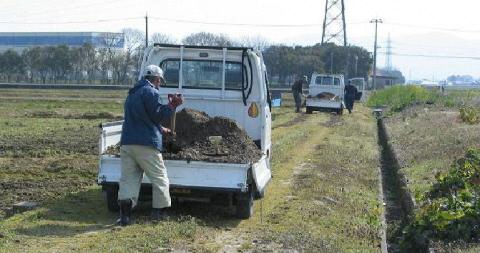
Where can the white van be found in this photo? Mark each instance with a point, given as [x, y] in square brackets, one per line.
[326, 93]
[221, 81]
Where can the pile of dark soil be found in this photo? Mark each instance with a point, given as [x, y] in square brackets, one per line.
[202, 138]
[325, 96]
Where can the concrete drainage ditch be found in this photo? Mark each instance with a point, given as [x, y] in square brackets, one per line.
[396, 197]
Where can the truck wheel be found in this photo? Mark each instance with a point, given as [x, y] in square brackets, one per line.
[112, 198]
[340, 111]
[309, 110]
[244, 208]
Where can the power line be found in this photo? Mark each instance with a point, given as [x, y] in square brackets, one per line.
[169, 20]
[433, 28]
[234, 24]
[415, 46]
[245, 24]
[437, 56]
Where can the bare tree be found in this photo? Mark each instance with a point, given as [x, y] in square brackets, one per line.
[89, 55]
[257, 42]
[133, 39]
[207, 39]
[162, 39]
[32, 60]
[134, 45]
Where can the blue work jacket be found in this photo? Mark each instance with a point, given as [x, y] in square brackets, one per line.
[143, 115]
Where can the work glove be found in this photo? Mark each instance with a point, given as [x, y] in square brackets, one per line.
[174, 100]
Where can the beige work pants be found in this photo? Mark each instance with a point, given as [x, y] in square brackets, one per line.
[136, 160]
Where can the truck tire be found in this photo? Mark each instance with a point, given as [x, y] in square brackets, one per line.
[244, 207]
[309, 110]
[111, 193]
[340, 111]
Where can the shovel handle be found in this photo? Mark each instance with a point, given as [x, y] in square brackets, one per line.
[172, 121]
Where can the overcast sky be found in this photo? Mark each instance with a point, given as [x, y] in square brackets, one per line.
[427, 27]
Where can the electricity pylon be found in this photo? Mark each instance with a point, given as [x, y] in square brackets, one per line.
[334, 27]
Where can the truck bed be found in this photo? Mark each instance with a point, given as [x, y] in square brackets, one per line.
[322, 103]
[193, 174]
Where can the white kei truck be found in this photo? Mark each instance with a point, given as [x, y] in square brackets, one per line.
[326, 93]
[360, 84]
[221, 81]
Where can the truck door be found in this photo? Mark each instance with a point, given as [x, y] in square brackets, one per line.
[261, 171]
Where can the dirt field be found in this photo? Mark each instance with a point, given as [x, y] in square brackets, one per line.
[323, 196]
[48, 148]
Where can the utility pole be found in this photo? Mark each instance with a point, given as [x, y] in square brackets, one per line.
[331, 62]
[356, 65]
[376, 21]
[146, 30]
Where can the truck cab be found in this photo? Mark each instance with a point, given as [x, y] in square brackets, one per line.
[359, 83]
[326, 93]
[221, 81]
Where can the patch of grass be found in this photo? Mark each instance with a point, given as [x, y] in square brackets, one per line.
[426, 141]
[324, 194]
[285, 114]
[80, 222]
[422, 174]
[469, 115]
[399, 97]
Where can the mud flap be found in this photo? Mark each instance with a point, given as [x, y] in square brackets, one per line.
[261, 175]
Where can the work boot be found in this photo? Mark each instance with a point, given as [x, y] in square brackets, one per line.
[158, 214]
[125, 212]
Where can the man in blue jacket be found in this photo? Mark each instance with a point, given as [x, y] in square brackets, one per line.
[141, 144]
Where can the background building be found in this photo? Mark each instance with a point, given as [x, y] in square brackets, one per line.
[386, 78]
[19, 41]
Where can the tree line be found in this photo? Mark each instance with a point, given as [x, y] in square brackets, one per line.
[286, 63]
[108, 65]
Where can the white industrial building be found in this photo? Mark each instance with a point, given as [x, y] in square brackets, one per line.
[19, 41]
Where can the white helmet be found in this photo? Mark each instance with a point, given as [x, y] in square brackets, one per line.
[153, 70]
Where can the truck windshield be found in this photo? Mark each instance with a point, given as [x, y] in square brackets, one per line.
[202, 74]
[357, 83]
[327, 80]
